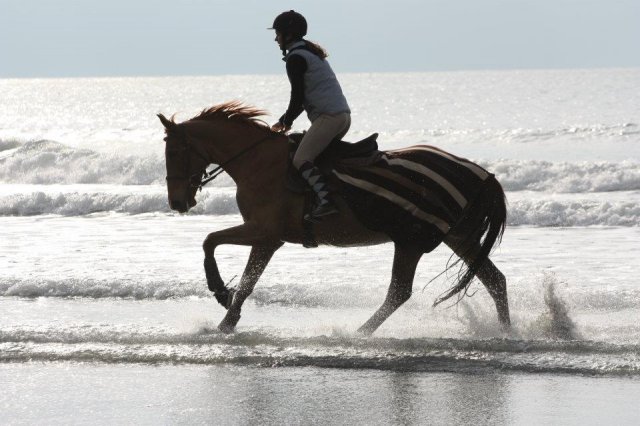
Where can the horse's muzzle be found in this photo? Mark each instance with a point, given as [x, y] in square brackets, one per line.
[179, 206]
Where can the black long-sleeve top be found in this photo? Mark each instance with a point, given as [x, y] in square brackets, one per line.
[296, 67]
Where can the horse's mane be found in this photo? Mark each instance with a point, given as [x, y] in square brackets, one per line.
[234, 110]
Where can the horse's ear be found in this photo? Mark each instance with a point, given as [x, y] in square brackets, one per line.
[168, 124]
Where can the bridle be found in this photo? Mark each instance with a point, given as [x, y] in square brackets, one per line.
[199, 179]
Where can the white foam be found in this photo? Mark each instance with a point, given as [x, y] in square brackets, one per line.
[570, 212]
[260, 348]
[537, 209]
[48, 162]
[541, 301]
[568, 177]
[80, 204]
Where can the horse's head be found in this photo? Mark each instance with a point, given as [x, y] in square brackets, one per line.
[223, 134]
[185, 166]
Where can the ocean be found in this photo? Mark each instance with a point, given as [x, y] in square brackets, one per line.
[105, 314]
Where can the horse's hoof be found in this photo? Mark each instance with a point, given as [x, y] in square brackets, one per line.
[505, 327]
[365, 332]
[228, 324]
[226, 328]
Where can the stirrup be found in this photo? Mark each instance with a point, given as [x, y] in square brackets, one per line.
[320, 211]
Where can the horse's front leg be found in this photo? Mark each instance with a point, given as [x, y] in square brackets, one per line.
[258, 260]
[264, 246]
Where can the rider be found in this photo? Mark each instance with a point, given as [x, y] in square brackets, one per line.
[314, 88]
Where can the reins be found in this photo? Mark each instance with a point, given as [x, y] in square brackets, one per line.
[208, 176]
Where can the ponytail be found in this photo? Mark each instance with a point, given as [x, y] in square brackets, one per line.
[316, 49]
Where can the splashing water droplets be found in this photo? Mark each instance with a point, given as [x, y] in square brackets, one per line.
[556, 322]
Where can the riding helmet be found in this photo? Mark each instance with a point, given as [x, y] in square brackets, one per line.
[291, 23]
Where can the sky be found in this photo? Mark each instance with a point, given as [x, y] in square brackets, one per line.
[75, 38]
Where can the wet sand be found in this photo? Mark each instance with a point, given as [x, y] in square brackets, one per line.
[88, 393]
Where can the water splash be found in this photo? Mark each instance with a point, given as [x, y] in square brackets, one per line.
[480, 320]
[556, 322]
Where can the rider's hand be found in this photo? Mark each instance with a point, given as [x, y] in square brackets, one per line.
[280, 128]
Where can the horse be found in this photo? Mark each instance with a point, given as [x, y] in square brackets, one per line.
[232, 136]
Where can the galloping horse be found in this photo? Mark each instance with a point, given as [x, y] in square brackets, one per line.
[232, 136]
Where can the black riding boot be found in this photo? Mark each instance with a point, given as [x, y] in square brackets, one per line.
[317, 182]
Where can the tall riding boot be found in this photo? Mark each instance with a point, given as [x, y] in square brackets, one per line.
[317, 182]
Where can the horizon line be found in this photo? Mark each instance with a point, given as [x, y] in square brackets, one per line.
[453, 70]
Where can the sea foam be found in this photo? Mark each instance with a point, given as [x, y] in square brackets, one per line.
[259, 348]
[539, 211]
[50, 162]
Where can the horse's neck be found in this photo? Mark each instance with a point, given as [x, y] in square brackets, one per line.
[252, 156]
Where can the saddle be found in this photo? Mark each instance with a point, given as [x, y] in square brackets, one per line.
[360, 153]
[338, 152]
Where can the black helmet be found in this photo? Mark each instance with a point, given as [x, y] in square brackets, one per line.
[291, 23]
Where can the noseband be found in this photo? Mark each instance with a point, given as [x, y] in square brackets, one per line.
[199, 179]
[195, 179]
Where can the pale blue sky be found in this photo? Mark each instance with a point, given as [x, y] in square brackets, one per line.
[68, 38]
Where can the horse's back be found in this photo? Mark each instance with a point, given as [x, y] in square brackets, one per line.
[417, 194]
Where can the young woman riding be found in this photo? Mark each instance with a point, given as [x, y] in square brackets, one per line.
[315, 89]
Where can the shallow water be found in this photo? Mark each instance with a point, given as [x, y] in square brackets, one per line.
[104, 311]
[83, 296]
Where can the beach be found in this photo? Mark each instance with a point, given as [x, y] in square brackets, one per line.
[105, 316]
[143, 394]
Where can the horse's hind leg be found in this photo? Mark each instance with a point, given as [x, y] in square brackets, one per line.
[405, 261]
[496, 285]
[492, 279]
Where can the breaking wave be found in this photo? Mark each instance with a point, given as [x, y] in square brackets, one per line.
[555, 213]
[83, 203]
[609, 190]
[565, 177]
[546, 212]
[48, 162]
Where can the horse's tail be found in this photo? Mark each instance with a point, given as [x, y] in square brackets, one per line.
[483, 223]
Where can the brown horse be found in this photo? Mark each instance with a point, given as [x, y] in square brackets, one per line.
[231, 136]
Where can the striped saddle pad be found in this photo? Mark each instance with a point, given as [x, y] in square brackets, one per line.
[415, 195]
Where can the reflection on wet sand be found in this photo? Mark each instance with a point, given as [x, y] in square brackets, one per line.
[66, 392]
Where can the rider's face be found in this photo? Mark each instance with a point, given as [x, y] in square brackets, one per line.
[280, 39]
